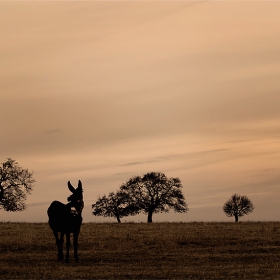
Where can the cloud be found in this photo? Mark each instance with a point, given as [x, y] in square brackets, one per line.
[132, 163]
[38, 204]
[241, 141]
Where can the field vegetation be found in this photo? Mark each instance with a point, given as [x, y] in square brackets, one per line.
[197, 250]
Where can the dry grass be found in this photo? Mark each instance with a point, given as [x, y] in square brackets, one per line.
[145, 251]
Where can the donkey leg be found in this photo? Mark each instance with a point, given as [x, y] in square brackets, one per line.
[75, 243]
[67, 247]
[61, 245]
[58, 245]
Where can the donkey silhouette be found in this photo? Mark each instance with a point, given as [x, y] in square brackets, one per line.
[67, 219]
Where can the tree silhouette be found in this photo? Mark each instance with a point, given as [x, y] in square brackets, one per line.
[114, 205]
[238, 206]
[155, 193]
[15, 184]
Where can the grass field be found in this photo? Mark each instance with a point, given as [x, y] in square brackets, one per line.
[249, 250]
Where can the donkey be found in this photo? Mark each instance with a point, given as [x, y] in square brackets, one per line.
[66, 219]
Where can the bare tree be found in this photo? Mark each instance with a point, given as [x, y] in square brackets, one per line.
[114, 205]
[238, 206]
[15, 183]
[154, 193]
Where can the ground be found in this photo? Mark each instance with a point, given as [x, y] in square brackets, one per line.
[249, 250]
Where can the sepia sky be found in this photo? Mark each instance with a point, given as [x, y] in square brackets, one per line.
[103, 90]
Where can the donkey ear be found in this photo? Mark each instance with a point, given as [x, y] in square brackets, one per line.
[80, 185]
[70, 187]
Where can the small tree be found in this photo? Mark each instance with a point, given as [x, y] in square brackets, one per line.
[238, 206]
[15, 184]
[114, 205]
[155, 193]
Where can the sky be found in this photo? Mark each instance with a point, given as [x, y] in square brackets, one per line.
[100, 91]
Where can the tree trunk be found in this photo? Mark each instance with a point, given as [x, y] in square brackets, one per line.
[118, 219]
[150, 214]
[236, 218]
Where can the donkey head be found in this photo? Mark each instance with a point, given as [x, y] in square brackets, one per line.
[76, 199]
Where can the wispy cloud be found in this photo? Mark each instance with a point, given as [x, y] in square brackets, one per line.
[38, 204]
[241, 141]
[132, 163]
